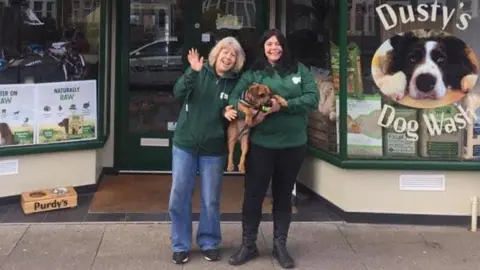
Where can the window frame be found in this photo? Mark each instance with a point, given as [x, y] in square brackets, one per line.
[103, 100]
[341, 158]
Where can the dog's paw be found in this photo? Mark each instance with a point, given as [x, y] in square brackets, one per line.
[282, 102]
[468, 82]
[393, 86]
[333, 116]
[241, 168]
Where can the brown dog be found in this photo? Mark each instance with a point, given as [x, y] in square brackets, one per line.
[6, 135]
[257, 97]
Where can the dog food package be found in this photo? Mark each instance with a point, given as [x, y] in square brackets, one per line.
[396, 144]
[472, 132]
[321, 129]
[441, 144]
[354, 70]
[75, 126]
[364, 135]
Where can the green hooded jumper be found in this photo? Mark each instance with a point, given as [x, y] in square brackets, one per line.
[287, 127]
[201, 127]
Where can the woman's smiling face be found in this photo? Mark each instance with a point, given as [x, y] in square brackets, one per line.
[273, 49]
[226, 60]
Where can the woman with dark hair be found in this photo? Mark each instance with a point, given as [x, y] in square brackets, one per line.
[277, 143]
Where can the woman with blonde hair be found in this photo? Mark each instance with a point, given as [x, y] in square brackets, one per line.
[199, 145]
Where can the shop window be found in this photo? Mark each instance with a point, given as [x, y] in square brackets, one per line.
[412, 86]
[312, 29]
[50, 9]
[237, 18]
[49, 71]
[38, 8]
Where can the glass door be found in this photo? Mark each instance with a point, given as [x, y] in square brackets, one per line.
[155, 36]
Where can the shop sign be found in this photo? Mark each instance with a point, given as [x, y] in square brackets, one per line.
[424, 13]
[426, 69]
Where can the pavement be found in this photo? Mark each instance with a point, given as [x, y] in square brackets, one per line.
[319, 246]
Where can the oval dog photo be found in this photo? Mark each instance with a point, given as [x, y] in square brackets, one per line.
[425, 69]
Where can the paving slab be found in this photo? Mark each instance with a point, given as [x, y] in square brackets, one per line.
[135, 246]
[361, 234]
[232, 239]
[52, 247]
[396, 247]
[316, 246]
[9, 235]
[458, 247]
[401, 256]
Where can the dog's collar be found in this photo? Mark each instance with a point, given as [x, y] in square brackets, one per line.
[243, 101]
[250, 105]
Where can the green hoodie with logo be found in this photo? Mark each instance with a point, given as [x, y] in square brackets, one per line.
[287, 127]
[201, 127]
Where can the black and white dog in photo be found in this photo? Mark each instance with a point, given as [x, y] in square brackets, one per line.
[426, 67]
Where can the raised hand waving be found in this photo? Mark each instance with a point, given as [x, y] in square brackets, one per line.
[196, 62]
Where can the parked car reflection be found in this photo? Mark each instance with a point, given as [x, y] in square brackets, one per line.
[156, 64]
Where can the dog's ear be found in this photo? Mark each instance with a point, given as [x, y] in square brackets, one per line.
[453, 42]
[456, 48]
[267, 89]
[398, 41]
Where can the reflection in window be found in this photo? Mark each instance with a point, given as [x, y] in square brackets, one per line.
[244, 10]
[311, 33]
[49, 59]
[155, 43]
[48, 41]
[237, 18]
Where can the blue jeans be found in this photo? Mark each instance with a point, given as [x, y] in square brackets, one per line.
[184, 168]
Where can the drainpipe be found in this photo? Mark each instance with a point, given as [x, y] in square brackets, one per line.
[474, 213]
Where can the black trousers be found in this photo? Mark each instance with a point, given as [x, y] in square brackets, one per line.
[282, 167]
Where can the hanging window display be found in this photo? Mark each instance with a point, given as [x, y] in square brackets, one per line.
[45, 48]
[421, 59]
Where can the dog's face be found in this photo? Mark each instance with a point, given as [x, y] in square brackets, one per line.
[6, 135]
[75, 128]
[431, 65]
[259, 94]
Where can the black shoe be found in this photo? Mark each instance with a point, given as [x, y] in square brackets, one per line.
[281, 225]
[244, 255]
[211, 255]
[280, 253]
[180, 257]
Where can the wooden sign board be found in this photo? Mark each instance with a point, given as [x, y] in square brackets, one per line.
[48, 200]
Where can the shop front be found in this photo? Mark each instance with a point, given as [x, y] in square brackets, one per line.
[55, 89]
[86, 88]
[396, 132]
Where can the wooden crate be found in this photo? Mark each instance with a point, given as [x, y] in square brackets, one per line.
[48, 200]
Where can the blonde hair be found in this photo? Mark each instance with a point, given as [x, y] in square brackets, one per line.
[230, 43]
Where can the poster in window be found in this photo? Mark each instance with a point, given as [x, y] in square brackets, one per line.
[66, 111]
[17, 123]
